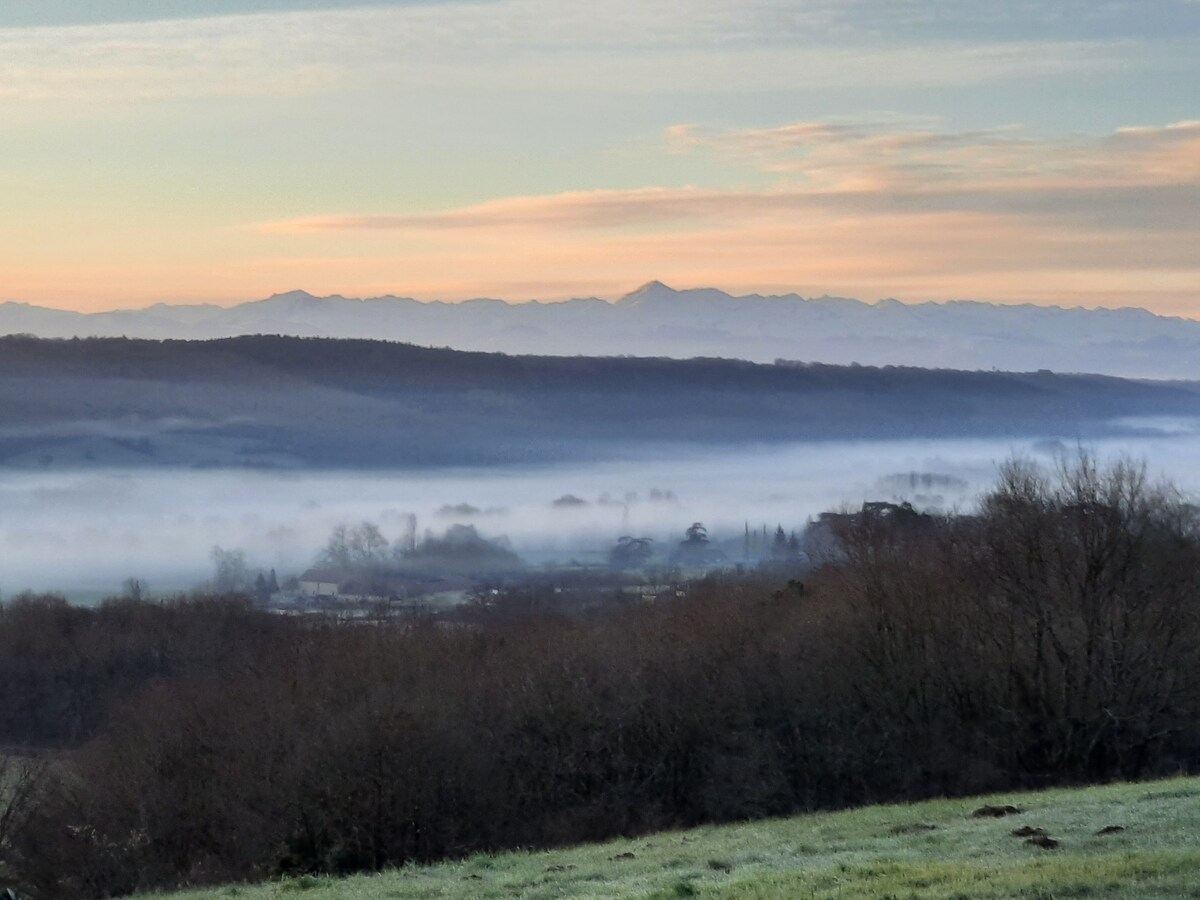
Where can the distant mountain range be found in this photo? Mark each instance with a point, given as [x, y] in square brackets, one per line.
[656, 320]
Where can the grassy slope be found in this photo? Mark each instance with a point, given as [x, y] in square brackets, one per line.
[852, 854]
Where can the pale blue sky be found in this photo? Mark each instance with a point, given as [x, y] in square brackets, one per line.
[980, 19]
[222, 150]
[90, 12]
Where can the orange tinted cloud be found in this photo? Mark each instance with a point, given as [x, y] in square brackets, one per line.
[846, 156]
[853, 170]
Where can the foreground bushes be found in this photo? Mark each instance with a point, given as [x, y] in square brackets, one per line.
[1053, 638]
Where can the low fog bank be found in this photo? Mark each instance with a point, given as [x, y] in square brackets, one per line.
[85, 533]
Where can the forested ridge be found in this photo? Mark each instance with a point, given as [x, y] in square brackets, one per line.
[280, 401]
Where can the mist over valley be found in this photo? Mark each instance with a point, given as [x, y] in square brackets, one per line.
[133, 459]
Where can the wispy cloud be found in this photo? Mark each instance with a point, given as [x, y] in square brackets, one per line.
[840, 156]
[602, 209]
[633, 46]
[848, 168]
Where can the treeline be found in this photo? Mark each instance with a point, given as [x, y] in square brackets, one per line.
[1053, 638]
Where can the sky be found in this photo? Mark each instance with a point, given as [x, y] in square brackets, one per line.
[1041, 151]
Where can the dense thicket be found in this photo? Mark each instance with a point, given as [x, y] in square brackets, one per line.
[1053, 638]
[64, 668]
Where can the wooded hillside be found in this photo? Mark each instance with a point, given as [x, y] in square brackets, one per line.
[275, 401]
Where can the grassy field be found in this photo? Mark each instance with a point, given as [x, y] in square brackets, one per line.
[928, 850]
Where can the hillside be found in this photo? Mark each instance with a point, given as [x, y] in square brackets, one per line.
[929, 850]
[656, 320]
[290, 402]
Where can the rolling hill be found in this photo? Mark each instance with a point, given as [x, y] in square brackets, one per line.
[292, 402]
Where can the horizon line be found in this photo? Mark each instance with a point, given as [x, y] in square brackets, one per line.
[610, 301]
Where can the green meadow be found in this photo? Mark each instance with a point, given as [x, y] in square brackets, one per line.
[936, 850]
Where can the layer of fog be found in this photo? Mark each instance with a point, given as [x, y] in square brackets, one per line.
[84, 533]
